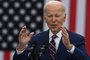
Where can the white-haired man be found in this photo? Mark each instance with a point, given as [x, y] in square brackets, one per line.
[65, 46]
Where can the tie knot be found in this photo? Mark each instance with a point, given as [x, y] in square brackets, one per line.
[54, 36]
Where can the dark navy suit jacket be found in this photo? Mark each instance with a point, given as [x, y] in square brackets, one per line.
[62, 53]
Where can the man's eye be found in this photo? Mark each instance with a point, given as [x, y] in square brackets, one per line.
[57, 15]
[49, 16]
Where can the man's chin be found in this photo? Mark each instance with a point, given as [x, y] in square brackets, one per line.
[54, 30]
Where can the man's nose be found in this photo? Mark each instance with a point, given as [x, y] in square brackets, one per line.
[53, 19]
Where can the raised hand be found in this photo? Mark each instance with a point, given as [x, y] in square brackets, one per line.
[65, 38]
[24, 38]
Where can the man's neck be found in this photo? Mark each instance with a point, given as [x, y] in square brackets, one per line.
[55, 32]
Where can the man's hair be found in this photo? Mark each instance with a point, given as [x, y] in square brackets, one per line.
[51, 3]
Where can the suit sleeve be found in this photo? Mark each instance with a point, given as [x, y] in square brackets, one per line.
[22, 56]
[80, 51]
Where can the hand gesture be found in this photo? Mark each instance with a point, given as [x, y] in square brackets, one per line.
[24, 38]
[65, 38]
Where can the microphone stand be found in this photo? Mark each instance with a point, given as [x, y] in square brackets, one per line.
[32, 55]
[31, 50]
[41, 52]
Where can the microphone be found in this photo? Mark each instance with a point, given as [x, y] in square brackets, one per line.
[31, 49]
[42, 50]
[36, 56]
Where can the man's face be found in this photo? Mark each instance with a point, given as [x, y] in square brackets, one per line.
[54, 17]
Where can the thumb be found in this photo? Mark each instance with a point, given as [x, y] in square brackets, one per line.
[31, 34]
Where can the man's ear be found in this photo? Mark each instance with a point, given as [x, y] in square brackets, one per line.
[64, 18]
[44, 18]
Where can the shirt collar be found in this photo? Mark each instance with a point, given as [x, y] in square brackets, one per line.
[59, 34]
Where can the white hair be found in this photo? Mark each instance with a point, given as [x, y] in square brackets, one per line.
[53, 2]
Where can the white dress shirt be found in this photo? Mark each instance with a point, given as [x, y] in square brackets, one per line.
[57, 39]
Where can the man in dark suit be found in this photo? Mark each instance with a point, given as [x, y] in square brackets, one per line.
[65, 46]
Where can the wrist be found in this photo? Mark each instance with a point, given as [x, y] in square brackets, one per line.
[69, 47]
[72, 50]
[20, 47]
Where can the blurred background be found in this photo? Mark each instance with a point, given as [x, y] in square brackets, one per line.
[16, 13]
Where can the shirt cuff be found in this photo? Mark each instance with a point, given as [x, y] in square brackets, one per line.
[72, 50]
[19, 52]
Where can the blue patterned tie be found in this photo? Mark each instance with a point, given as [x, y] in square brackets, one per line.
[52, 48]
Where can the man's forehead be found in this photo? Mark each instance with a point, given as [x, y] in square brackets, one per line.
[54, 9]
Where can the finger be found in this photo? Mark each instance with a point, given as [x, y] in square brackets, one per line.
[64, 29]
[64, 35]
[64, 32]
[24, 27]
[31, 34]
[23, 30]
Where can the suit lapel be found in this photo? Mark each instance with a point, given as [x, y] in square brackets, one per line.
[45, 40]
[45, 37]
[60, 50]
